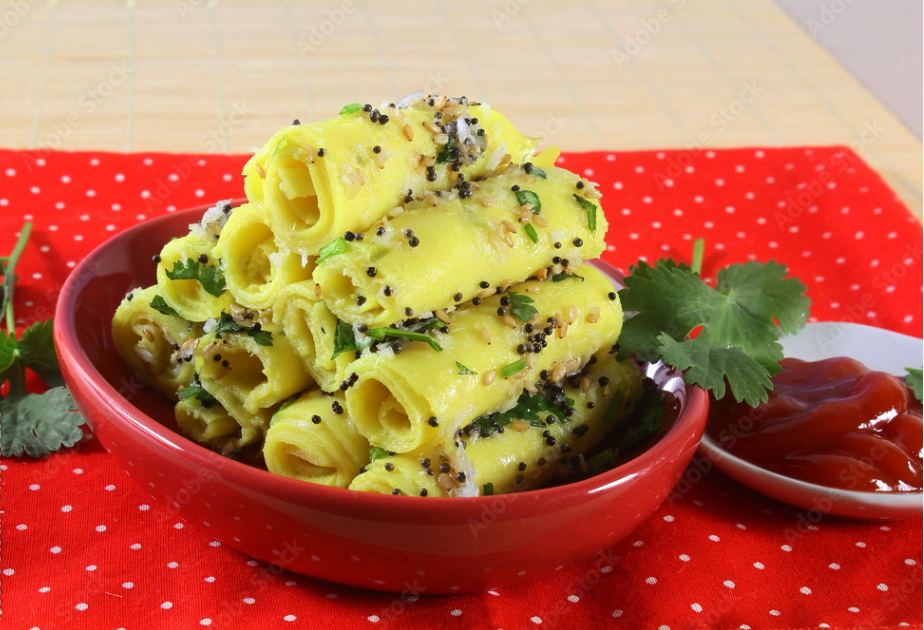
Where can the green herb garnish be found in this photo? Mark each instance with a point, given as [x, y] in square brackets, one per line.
[344, 339]
[530, 408]
[538, 172]
[529, 197]
[352, 108]
[209, 276]
[226, 324]
[487, 490]
[195, 390]
[737, 341]
[376, 452]
[464, 370]
[512, 368]
[379, 334]
[559, 277]
[531, 232]
[31, 424]
[335, 247]
[646, 419]
[601, 461]
[914, 381]
[521, 306]
[591, 211]
[445, 154]
[159, 305]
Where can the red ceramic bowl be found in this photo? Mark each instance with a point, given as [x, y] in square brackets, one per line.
[379, 542]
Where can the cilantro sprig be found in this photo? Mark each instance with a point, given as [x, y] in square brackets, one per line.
[738, 323]
[197, 391]
[345, 339]
[226, 324]
[529, 197]
[335, 247]
[350, 109]
[530, 408]
[31, 424]
[590, 210]
[160, 305]
[521, 306]
[210, 277]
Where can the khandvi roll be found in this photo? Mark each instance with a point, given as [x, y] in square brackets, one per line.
[253, 267]
[189, 277]
[489, 354]
[321, 180]
[254, 364]
[545, 434]
[210, 424]
[312, 439]
[148, 335]
[442, 251]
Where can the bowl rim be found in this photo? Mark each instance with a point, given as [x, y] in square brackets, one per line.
[137, 422]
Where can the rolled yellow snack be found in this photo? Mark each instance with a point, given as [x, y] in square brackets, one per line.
[189, 297]
[149, 340]
[429, 258]
[323, 179]
[395, 397]
[309, 440]
[254, 269]
[522, 456]
[213, 426]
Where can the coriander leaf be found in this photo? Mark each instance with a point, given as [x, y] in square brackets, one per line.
[531, 408]
[197, 391]
[288, 401]
[763, 290]
[529, 197]
[613, 406]
[37, 352]
[159, 305]
[376, 452]
[521, 306]
[226, 324]
[558, 277]
[487, 490]
[915, 381]
[445, 154]
[352, 108]
[335, 247]
[37, 424]
[8, 353]
[464, 370]
[344, 339]
[591, 211]
[646, 419]
[379, 334]
[531, 232]
[538, 172]
[424, 325]
[666, 303]
[513, 368]
[209, 276]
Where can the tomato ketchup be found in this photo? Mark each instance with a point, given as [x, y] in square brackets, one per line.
[831, 422]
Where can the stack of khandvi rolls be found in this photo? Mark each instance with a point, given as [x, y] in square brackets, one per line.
[402, 306]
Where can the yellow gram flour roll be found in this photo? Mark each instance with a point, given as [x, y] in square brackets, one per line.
[521, 456]
[403, 401]
[189, 278]
[252, 376]
[313, 439]
[213, 426]
[323, 179]
[149, 340]
[435, 257]
[254, 269]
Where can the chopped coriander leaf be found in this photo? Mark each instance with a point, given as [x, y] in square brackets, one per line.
[288, 401]
[529, 197]
[538, 172]
[558, 277]
[531, 408]
[376, 452]
[226, 324]
[464, 370]
[914, 381]
[352, 108]
[591, 211]
[195, 390]
[379, 334]
[445, 154]
[159, 305]
[424, 325]
[37, 424]
[336, 246]
[487, 490]
[646, 419]
[531, 232]
[513, 368]
[344, 339]
[209, 276]
[521, 306]
[737, 343]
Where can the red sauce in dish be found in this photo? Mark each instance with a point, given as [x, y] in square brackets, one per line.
[833, 423]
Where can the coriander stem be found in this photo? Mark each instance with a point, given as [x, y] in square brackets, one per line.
[10, 276]
[699, 245]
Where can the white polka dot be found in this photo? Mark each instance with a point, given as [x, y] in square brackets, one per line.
[248, 600]
[128, 585]
[167, 605]
[910, 562]
[44, 589]
[834, 566]
[455, 612]
[638, 543]
[91, 193]
[215, 543]
[8, 572]
[714, 538]
[373, 618]
[573, 599]
[606, 569]
[22, 527]
[805, 590]
[854, 609]
[290, 618]
[135, 546]
[200, 193]
[758, 565]
[536, 620]
[210, 579]
[227, 177]
[34, 486]
[55, 549]
[651, 580]
[861, 544]
[882, 587]
[785, 547]
[172, 565]
[775, 613]
[100, 528]
[179, 526]
[696, 607]
[67, 508]
[81, 606]
[729, 584]
[684, 557]
[35, 190]
[205, 622]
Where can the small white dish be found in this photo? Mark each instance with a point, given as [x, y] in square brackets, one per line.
[876, 348]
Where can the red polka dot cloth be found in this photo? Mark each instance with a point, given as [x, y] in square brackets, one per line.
[84, 547]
